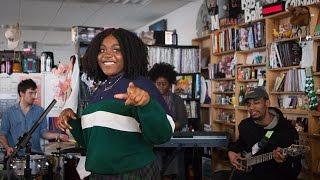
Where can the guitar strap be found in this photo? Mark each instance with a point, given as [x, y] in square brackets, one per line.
[262, 143]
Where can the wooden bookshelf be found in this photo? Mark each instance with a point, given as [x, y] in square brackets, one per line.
[315, 113]
[316, 73]
[199, 39]
[295, 111]
[284, 68]
[249, 80]
[241, 25]
[241, 112]
[224, 79]
[224, 53]
[278, 16]
[204, 44]
[219, 106]
[251, 65]
[224, 92]
[287, 93]
[253, 50]
[242, 108]
[205, 105]
[297, 38]
[303, 134]
[316, 38]
[227, 123]
[316, 136]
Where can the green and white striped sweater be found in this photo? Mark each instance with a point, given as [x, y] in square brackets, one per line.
[120, 138]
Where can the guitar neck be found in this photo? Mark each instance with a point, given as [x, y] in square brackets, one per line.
[262, 158]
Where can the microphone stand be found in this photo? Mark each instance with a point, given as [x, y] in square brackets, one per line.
[23, 142]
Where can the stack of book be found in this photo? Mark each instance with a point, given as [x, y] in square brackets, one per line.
[284, 54]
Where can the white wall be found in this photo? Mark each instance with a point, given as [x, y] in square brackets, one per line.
[183, 20]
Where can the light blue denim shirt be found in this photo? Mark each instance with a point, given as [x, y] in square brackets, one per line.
[14, 124]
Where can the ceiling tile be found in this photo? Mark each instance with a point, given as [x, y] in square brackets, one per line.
[57, 37]
[36, 13]
[74, 14]
[9, 12]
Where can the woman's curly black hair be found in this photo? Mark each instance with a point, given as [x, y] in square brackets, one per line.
[164, 70]
[133, 50]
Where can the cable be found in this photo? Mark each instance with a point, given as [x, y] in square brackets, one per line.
[58, 11]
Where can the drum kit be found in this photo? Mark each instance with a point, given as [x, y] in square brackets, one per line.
[41, 166]
[59, 162]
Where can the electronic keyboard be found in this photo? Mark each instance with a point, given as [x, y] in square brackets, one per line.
[197, 139]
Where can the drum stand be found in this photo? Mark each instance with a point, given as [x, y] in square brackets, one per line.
[58, 154]
[59, 168]
[7, 172]
[27, 170]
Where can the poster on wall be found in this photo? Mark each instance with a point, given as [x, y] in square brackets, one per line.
[62, 84]
[183, 86]
[53, 92]
[8, 93]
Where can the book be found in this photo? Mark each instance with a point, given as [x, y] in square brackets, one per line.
[183, 86]
[318, 59]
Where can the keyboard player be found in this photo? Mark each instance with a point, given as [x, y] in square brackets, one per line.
[164, 76]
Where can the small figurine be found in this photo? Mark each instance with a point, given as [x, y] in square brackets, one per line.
[275, 33]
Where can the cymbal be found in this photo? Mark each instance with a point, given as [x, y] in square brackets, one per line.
[53, 146]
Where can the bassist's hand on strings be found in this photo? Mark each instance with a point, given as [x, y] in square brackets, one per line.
[235, 159]
[278, 156]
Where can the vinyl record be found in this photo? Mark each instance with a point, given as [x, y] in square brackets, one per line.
[202, 18]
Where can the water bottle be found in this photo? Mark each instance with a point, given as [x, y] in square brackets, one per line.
[48, 64]
[174, 38]
[43, 59]
[9, 64]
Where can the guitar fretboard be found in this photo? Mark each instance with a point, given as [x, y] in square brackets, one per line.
[262, 158]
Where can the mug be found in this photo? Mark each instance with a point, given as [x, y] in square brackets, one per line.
[226, 100]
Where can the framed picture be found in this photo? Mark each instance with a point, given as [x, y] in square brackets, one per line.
[188, 86]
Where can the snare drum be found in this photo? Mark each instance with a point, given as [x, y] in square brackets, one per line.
[39, 165]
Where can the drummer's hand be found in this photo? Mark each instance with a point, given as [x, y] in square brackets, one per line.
[9, 150]
[134, 96]
[63, 137]
[64, 117]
